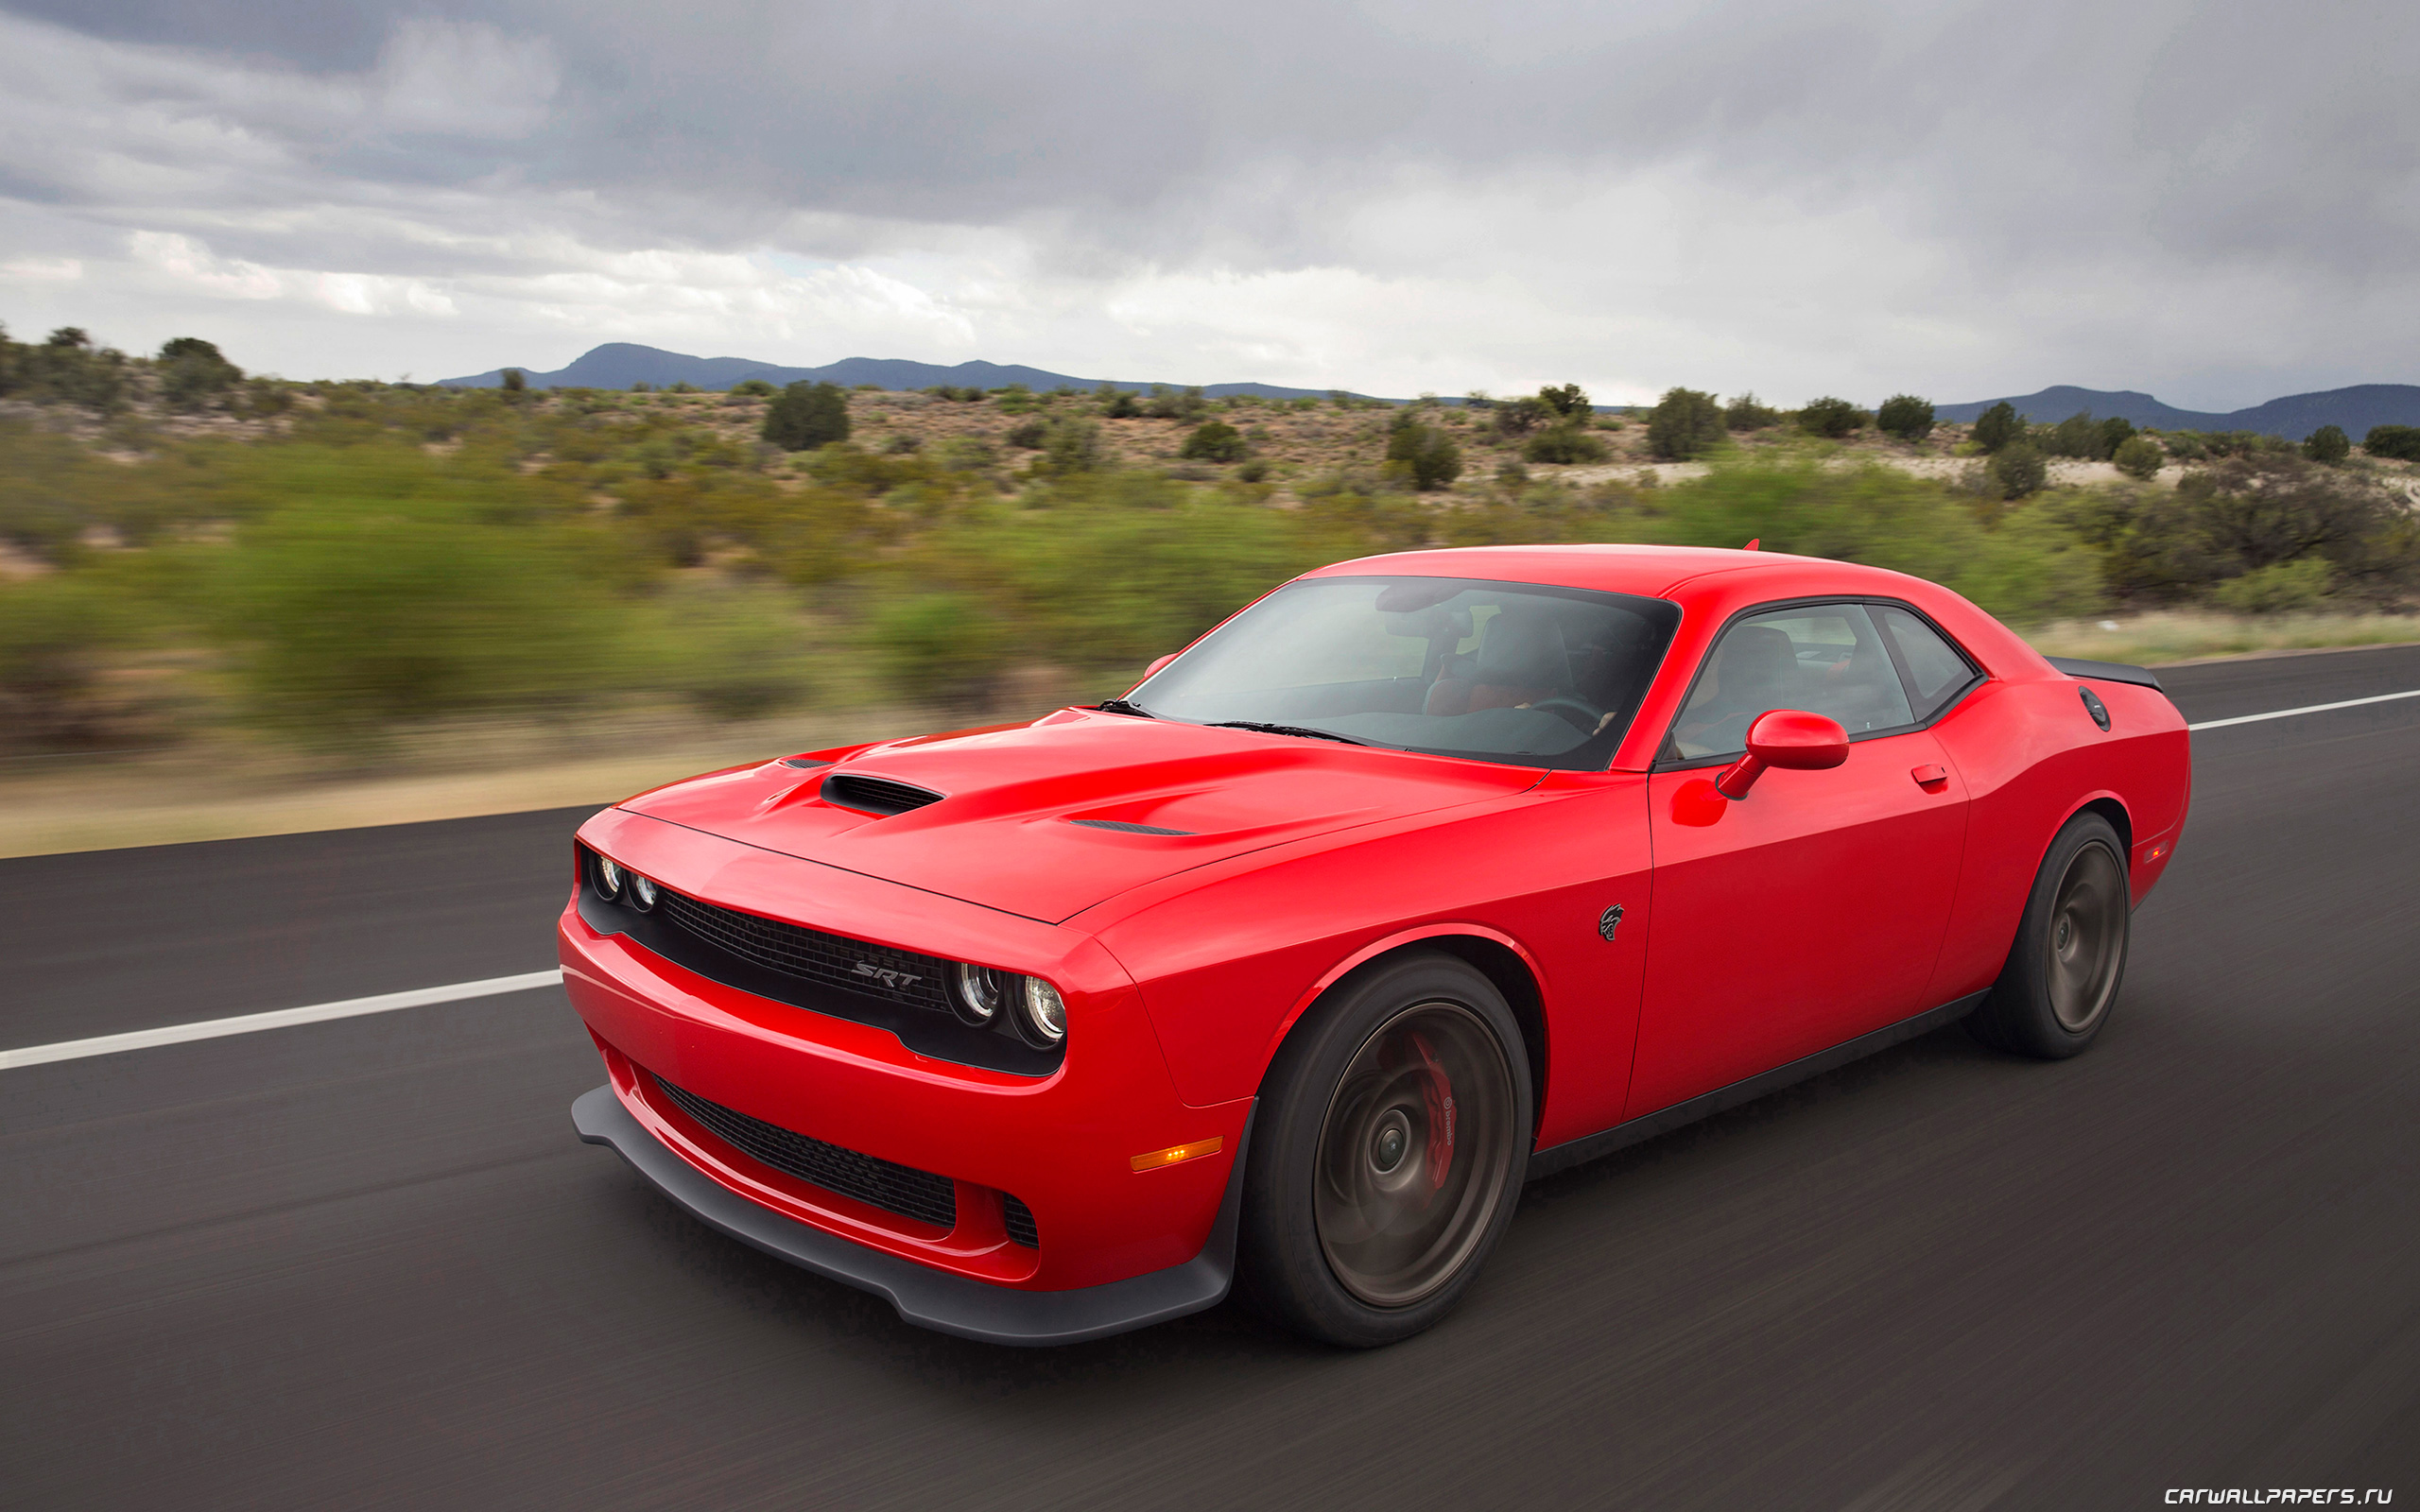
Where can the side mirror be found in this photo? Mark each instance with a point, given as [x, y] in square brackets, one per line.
[1790, 738]
[1153, 670]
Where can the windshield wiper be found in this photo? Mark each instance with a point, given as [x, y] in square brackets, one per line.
[1124, 706]
[1288, 730]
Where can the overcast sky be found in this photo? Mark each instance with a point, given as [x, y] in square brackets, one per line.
[2214, 202]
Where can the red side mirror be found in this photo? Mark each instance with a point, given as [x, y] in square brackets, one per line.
[1790, 738]
[1153, 670]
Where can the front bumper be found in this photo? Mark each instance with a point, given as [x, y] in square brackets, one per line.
[1118, 1248]
[924, 1297]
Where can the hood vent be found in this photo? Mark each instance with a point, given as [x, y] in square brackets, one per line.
[878, 796]
[1124, 828]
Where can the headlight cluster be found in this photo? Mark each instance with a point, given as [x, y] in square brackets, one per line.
[979, 994]
[617, 884]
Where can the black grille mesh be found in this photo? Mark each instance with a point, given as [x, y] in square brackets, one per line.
[885, 1184]
[796, 951]
[1020, 1222]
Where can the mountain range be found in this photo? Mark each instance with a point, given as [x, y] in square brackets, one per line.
[620, 363]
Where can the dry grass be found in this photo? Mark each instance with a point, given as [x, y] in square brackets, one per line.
[2187, 635]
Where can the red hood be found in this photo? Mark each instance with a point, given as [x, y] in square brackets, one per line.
[1001, 836]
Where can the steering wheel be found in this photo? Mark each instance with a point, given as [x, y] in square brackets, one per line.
[1586, 716]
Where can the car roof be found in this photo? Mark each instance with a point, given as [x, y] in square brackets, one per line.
[1653, 571]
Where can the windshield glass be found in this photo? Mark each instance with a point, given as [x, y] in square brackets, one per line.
[1518, 672]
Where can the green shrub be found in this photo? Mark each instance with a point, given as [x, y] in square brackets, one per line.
[1567, 401]
[2280, 588]
[2115, 432]
[1905, 417]
[1028, 433]
[54, 634]
[1426, 455]
[1254, 470]
[2244, 514]
[808, 415]
[2140, 456]
[754, 388]
[937, 645]
[2078, 436]
[2398, 442]
[956, 393]
[1186, 404]
[1515, 418]
[514, 381]
[1683, 423]
[902, 443]
[1117, 403]
[1564, 443]
[1072, 445]
[1997, 426]
[192, 373]
[2018, 470]
[2329, 444]
[1748, 413]
[1214, 441]
[1832, 418]
[736, 652]
[1017, 399]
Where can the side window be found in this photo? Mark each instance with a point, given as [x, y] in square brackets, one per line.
[1828, 659]
[1934, 666]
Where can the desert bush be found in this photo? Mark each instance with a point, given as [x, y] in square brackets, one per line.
[192, 373]
[1997, 426]
[2115, 432]
[1072, 445]
[1748, 413]
[55, 634]
[1017, 399]
[1116, 403]
[1426, 455]
[2280, 588]
[808, 415]
[2245, 514]
[1567, 401]
[1031, 435]
[956, 393]
[938, 646]
[972, 454]
[514, 381]
[2078, 436]
[902, 443]
[1905, 417]
[1564, 443]
[1214, 441]
[2018, 470]
[2400, 444]
[2140, 456]
[1186, 404]
[1515, 418]
[1832, 418]
[734, 650]
[2329, 444]
[754, 388]
[1683, 423]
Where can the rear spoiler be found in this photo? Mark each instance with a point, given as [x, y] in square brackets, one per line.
[2105, 671]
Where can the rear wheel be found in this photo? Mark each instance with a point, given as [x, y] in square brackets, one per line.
[1389, 1158]
[2063, 974]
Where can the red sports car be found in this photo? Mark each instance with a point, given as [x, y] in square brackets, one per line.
[1421, 877]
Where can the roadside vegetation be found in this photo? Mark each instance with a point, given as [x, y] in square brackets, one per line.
[193, 558]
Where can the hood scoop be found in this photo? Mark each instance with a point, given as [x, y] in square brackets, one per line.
[1124, 828]
[877, 796]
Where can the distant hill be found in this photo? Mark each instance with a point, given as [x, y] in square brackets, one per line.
[620, 363]
[2293, 417]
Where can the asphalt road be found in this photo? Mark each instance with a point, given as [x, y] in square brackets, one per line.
[365, 1262]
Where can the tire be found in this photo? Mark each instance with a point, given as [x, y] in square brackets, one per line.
[1389, 1154]
[2061, 981]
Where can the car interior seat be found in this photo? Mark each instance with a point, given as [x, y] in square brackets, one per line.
[1521, 659]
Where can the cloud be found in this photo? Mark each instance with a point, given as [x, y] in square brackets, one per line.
[2212, 200]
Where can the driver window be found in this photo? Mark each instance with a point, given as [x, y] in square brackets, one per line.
[1826, 659]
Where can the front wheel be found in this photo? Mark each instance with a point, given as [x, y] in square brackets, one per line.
[1395, 1136]
[2063, 974]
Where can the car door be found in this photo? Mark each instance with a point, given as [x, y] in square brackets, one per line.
[1811, 911]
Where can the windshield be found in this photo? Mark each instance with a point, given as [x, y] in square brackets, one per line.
[1518, 672]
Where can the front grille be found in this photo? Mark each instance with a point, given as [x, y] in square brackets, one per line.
[836, 960]
[1020, 1222]
[878, 1183]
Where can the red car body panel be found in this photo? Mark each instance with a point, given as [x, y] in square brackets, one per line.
[1828, 905]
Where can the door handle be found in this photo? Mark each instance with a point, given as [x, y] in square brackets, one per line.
[1932, 779]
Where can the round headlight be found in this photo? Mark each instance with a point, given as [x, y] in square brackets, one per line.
[642, 893]
[979, 994]
[608, 879]
[1044, 1019]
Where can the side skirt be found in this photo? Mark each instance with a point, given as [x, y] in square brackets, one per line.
[1621, 1136]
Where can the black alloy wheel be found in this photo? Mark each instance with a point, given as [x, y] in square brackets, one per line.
[1395, 1134]
[2063, 970]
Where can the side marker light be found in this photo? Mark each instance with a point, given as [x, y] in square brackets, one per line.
[1176, 1153]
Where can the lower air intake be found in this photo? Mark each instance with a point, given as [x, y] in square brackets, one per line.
[877, 1183]
[1020, 1222]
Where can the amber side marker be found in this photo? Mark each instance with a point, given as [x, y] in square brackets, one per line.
[1175, 1153]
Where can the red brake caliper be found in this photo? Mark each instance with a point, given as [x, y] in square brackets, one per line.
[1437, 1090]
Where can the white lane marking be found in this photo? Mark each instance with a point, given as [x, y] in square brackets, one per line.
[2307, 709]
[176, 1034]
